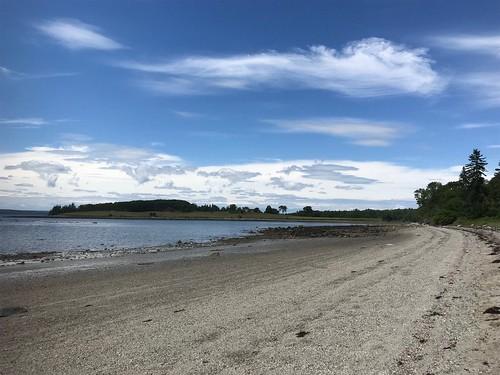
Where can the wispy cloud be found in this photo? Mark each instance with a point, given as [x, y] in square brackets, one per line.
[365, 68]
[329, 172]
[187, 114]
[84, 191]
[478, 125]
[484, 87]
[31, 122]
[24, 121]
[494, 146]
[282, 183]
[358, 131]
[485, 44]
[234, 176]
[348, 187]
[76, 35]
[15, 75]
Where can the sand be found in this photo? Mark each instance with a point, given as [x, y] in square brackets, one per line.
[406, 302]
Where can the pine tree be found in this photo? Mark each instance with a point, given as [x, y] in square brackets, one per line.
[473, 184]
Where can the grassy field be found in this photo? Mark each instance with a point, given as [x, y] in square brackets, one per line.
[203, 216]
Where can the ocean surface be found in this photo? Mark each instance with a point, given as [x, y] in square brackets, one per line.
[38, 234]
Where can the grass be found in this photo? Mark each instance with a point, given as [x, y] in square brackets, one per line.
[203, 216]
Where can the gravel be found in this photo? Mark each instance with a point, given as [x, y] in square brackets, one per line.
[404, 302]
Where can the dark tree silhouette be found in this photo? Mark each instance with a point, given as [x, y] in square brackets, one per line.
[473, 184]
[270, 210]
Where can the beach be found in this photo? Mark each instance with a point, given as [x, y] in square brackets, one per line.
[404, 301]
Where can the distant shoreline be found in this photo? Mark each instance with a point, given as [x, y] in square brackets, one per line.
[201, 216]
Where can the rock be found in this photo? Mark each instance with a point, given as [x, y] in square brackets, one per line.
[8, 311]
[302, 333]
[492, 310]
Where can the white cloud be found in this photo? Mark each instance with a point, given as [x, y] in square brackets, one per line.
[30, 122]
[486, 44]
[358, 131]
[365, 68]
[139, 163]
[12, 74]
[186, 114]
[234, 176]
[76, 35]
[349, 187]
[329, 172]
[494, 146]
[282, 183]
[23, 121]
[478, 125]
[101, 176]
[48, 172]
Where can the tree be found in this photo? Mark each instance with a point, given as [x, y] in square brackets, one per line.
[307, 210]
[493, 190]
[474, 171]
[283, 209]
[428, 196]
[270, 210]
[473, 184]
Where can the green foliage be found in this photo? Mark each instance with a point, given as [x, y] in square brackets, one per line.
[270, 210]
[58, 209]
[152, 206]
[444, 217]
[471, 197]
[400, 214]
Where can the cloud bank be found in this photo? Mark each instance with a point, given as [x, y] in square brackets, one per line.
[89, 172]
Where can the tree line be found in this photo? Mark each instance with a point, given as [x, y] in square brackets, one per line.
[398, 214]
[165, 205]
[471, 197]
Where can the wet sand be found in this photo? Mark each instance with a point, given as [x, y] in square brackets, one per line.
[410, 301]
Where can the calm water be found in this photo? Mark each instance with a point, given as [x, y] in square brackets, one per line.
[44, 234]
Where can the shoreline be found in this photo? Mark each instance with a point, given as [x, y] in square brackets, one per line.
[348, 230]
[281, 219]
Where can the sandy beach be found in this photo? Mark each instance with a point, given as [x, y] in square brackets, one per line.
[410, 301]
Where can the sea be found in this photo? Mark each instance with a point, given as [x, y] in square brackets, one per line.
[39, 233]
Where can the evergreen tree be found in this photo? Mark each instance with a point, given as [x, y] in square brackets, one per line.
[494, 194]
[473, 184]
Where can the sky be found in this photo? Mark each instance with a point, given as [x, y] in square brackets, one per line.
[333, 104]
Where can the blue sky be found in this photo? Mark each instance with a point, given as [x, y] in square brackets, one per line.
[337, 104]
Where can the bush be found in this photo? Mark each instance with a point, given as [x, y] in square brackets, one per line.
[444, 218]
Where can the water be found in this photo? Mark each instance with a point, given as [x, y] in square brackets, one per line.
[48, 234]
